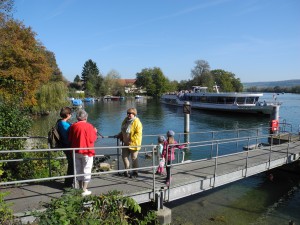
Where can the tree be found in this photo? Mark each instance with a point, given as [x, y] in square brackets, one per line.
[226, 81]
[161, 83]
[207, 80]
[112, 85]
[77, 79]
[200, 68]
[56, 74]
[77, 84]
[24, 66]
[90, 77]
[6, 8]
[52, 96]
[237, 85]
[154, 81]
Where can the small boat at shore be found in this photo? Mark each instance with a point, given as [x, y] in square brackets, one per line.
[138, 97]
[233, 102]
[77, 103]
[89, 100]
[113, 98]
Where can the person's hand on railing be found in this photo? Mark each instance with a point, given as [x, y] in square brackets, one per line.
[100, 135]
[119, 136]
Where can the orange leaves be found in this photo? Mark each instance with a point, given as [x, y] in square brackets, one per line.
[24, 66]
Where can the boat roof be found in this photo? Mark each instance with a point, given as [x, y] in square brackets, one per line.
[202, 90]
[226, 94]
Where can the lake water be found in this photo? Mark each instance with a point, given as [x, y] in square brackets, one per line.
[254, 200]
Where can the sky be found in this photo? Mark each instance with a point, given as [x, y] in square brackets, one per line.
[257, 40]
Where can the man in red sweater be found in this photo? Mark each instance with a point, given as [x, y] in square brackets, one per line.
[83, 135]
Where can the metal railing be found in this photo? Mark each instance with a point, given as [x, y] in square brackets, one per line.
[202, 147]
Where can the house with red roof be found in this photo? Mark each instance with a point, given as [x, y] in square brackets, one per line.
[130, 86]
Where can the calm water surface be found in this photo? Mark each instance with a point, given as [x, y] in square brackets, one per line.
[255, 200]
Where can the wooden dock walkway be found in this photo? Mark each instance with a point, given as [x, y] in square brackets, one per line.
[188, 178]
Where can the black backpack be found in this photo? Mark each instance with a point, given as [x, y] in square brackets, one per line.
[54, 139]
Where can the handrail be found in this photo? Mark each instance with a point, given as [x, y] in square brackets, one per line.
[214, 144]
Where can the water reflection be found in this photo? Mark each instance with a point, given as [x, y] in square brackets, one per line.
[271, 203]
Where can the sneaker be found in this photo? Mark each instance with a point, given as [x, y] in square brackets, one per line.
[168, 181]
[125, 174]
[134, 175]
[86, 192]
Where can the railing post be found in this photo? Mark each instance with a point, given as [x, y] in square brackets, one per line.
[247, 157]
[270, 151]
[212, 144]
[216, 163]
[288, 148]
[256, 137]
[74, 169]
[237, 143]
[49, 163]
[153, 166]
[118, 153]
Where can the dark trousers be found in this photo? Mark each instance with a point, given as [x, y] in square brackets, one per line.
[70, 168]
[168, 169]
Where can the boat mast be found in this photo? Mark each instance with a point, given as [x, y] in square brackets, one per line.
[216, 87]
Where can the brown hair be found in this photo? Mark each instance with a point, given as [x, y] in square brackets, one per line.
[171, 140]
[64, 112]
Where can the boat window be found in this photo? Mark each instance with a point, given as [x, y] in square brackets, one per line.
[203, 99]
[230, 100]
[209, 99]
[220, 100]
[195, 98]
[240, 100]
[250, 100]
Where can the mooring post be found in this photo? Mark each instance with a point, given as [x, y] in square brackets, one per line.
[274, 122]
[275, 113]
[187, 112]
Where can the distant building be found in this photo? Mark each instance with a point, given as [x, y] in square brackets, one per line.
[130, 86]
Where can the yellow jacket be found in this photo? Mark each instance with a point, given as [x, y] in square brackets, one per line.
[136, 132]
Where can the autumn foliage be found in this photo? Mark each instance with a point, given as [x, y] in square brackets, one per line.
[24, 66]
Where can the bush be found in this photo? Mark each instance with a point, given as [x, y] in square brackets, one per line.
[6, 214]
[111, 208]
[14, 123]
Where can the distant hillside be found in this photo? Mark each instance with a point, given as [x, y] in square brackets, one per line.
[284, 83]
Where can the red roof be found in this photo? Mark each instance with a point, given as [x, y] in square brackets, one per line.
[127, 82]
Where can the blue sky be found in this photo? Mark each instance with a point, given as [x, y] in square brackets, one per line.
[257, 40]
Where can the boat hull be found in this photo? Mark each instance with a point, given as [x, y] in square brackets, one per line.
[114, 98]
[257, 108]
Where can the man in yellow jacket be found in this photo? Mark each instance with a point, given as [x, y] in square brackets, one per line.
[131, 136]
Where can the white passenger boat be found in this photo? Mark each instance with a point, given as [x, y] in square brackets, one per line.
[236, 102]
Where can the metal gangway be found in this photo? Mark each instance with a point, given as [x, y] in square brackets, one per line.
[210, 159]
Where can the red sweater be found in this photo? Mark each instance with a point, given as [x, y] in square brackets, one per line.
[83, 135]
